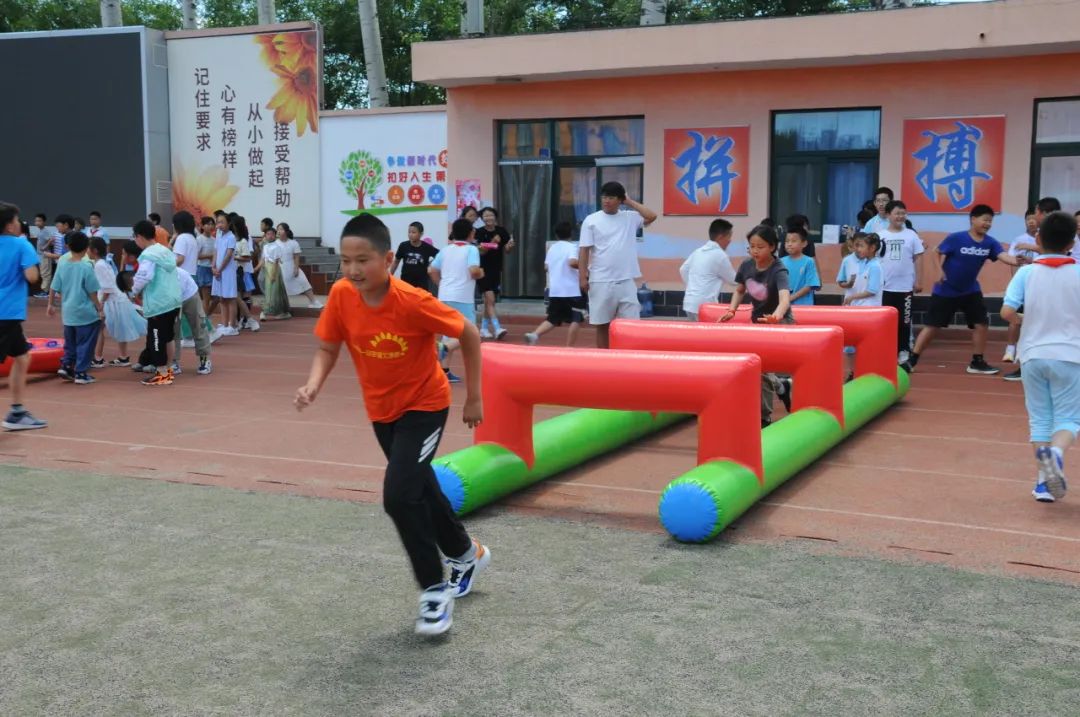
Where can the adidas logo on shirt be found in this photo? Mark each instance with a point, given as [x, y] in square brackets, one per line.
[974, 251]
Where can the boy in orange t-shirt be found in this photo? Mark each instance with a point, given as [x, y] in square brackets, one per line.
[389, 328]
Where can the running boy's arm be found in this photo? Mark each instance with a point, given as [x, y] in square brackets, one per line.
[473, 411]
[325, 358]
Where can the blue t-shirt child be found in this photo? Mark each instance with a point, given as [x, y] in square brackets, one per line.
[16, 256]
[74, 280]
[964, 259]
[802, 272]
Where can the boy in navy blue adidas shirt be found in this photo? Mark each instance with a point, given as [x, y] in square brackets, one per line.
[962, 257]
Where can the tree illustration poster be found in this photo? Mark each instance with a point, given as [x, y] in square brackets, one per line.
[244, 125]
[390, 164]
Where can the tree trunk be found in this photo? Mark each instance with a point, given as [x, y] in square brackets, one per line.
[189, 7]
[653, 12]
[360, 197]
[373, 54]
[267, 12]
[110, 13]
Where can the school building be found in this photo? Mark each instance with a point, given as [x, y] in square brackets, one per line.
[950, 105]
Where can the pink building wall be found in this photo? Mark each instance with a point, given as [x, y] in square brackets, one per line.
[1005, 86]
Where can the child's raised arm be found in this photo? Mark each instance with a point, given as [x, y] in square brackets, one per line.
[473, 411]
[325, 358]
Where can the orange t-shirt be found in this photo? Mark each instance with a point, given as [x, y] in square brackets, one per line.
[161, 236]
[392, 346]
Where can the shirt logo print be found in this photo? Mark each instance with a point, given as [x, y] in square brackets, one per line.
[385, 345]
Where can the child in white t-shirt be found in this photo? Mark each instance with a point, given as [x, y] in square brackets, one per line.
[901, 271]
[565, 303]
[456, 269]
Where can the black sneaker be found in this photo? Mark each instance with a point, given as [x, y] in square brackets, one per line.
[67, 373]
[23, 421]
[84, 379]
[1014, 376]
[784, 393]
[97, 363]
[979, 365]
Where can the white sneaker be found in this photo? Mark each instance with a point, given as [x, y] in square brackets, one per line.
[1010, 355]
[187, 343]
[485, 334]
[216, 336]
[253, 325]
[436, 611]
[532, 339]
[230, 331]
[903, 357]
[205, 367]
[500, 334]
[463, 573]
[315, 305]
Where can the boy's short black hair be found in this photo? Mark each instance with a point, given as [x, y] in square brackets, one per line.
[95, 213]
[719, 228]
[267, 220]
[76, 242]
[461, 229]
[206, 220]
[7, 213]
[41, 216]
[99, 246]
[564, 230]
[369, 227]
[1030, 211]
[219, 213]
[493, 210]
[797, 220]
[1048, 204]
[893, 204]
[154, 217]
[418, 226]
[184, 222]
[64, 219]
[125, 280]
[613, 189]
[886, 191]
[980, 210]
[1057, 232]
[798, 229]
[80, 221]
[768, 234]
[864, 216]
[767, 222]
[132, 248]
[144, 228]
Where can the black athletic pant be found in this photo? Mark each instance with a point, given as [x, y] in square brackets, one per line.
[159, 334]
[412, 497]
[901, 301]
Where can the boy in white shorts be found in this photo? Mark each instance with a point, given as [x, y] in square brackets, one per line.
[607, 259]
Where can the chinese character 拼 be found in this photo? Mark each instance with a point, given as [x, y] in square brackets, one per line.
[707, 162]
[950, 160]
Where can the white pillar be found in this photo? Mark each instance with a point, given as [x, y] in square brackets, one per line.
[189, 8]
[373, 56]
[110, 13]
[267, 12]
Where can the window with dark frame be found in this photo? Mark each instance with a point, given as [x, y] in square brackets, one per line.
[823, 163]
[1055, 152]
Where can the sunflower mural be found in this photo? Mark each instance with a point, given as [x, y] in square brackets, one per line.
[293, 58]
[360, 174]
[201, 192]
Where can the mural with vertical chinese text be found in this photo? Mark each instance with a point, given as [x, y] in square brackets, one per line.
[244, 123]
[706, 171]
[950, 164]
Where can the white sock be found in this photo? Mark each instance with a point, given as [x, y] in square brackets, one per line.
[1011, 347]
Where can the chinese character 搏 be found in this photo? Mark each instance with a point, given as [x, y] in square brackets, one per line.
[950, 160]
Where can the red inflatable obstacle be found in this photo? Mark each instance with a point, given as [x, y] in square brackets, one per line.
[864, 328]
[811, 354]
[45, 355]
[722, 390]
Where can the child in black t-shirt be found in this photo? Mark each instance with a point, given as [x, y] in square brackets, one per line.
[495, 243]
[415, 256]
[765, 279]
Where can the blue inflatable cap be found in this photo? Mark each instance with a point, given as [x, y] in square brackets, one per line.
[451, 484]
[688, 511]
